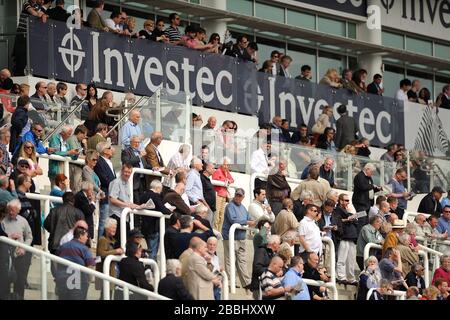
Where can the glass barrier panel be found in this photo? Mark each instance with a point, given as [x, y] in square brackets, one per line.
[176, 116]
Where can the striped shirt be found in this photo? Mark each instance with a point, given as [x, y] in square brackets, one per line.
[173, 34]
[269, 281]
[24, 15]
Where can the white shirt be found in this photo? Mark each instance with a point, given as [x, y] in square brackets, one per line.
[112, 25]
[66, 238]
[401, 95]
[257, 212]
[309, 229]
[259, 162]
[109, 162]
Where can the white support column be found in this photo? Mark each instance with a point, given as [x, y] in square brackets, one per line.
[217, 25]
[371, 62]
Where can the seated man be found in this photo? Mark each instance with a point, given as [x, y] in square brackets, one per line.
[271, 286]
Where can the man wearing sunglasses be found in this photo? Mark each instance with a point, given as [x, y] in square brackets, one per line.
[39, 95]
[35, 137]
[172, 32]
[346, 263]
[309, 232]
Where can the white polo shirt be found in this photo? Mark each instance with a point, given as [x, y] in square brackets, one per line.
[309, 229]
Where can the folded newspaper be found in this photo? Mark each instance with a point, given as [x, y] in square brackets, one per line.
[358, 215]
[148, 205]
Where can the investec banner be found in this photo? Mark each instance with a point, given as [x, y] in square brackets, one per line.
[118, 63]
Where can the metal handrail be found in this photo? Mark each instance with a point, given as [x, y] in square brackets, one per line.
[45, 255]
[127, 113]
[395, 293]
[107, 265]
[162, 229]
[64, 159]
[77, 107]
[332, 249]
[329, 285]
[47, 199]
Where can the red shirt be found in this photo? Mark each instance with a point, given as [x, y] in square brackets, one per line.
[220, 175]
[441, 273]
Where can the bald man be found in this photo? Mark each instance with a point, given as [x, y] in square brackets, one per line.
[132, 128]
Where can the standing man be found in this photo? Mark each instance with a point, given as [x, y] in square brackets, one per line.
[278, 188]
[235, 212]
[153, 157]
[326, 171]
[305, 73]
[77, 142]
[346, 263]
[132, 155]
[19, 121]
[309, 232]
[119, 196]
[346, 128]
[209, 192]
[401, 94]
[85, 202]
[17, 228]
[173, 32]
[430, 203]
[194, 187]
[209, 132]
[105, 172]
[75, 251]
[284, 65]
[275, 58]
[375, 86]
[132, 128]
[363, 192]
[261, 164]
[413, 93]
[259, 208]
[222, 174]
[399, 191]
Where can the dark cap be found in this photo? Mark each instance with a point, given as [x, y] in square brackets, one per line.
[438, 190]
[135, 233]
[23, 162]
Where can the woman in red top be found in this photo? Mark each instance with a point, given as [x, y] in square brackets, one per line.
[443, 271]
[221, 174]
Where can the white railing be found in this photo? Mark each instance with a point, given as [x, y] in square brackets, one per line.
[330, 243]
[421, 253]
[45, 255]
[328, 285]
[395, 293]
[435, 254]
[408, 214]
[162, 228]
[225, 292]
[47, 199]
[107, 264]
[64, 159]
[232, 253]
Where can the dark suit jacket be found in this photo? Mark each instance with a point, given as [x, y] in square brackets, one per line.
[129, 156]
[209, 192]
[362, 184]
[445, 102]
[411, 280]
[182, 240]
[175, 200]
[131, 270]
[346, 129]
[150, 225]
[373, 89]
[261, 260]
[19, 120]
[170, 242]
[58, 13]
[429, 205]
[335, 221]
[83, 203]
[173, 287]
[105, 175]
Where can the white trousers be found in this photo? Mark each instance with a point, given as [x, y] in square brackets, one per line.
[346, 264]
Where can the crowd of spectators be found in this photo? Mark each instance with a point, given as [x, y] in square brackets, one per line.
[290, 223]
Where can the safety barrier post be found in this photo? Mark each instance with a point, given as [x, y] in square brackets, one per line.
[332, 258]
[43, 277]
[225, 289]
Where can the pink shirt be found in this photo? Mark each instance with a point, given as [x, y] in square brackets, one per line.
[441, 273]
[220, 175]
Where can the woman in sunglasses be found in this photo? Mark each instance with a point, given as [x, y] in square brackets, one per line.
[215, 40]
[28, 152]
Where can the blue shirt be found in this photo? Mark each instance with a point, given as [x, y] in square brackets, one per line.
[29, 136]
[56, 192]
[398, 187]
[445, 202]
[78, 253]
[443, 225]
[194, 187]
[128, 130]
[292, 278]
[234, 214]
